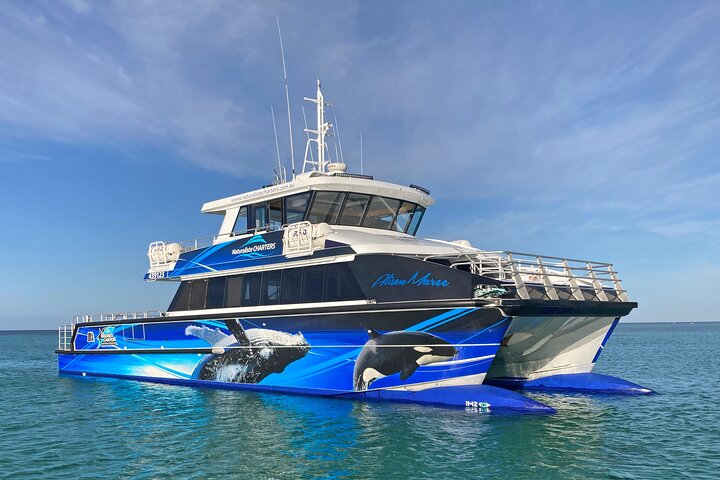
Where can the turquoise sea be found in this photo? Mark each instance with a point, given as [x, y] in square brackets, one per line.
[58, 427]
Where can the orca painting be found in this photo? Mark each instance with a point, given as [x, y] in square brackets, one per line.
[397, 352]
[251, 355]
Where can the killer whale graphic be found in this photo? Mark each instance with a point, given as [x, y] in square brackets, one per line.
[382, 356]
[261, 353]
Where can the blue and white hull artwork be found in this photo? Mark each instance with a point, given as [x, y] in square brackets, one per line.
[339, 355]
[318, 285]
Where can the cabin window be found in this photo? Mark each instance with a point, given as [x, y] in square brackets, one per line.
[415, 220]
[251, 290]
[381, 213]
[295, 207]
[270, 287]
[198, 290]
[325, 207]
[241, 222]
[312, 284]
[233, 292]
[340, 284]
[181, 301]
[354, 209]
[260, 216]
[290, 288]
[404, 214]
[215, 292]
[276, 214]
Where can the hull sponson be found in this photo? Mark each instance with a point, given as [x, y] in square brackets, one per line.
[338, 353]
[536, 347]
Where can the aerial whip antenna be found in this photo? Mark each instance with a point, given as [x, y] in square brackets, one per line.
[361, 158]
[337, 129]
[287, 97]
[277, 148]
[307, 133]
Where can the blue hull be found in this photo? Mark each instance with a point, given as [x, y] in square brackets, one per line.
[438, 357]
[575, 382]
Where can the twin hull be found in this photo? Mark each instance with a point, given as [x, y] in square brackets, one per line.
[340, 353]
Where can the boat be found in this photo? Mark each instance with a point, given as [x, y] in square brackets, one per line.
[318, 284]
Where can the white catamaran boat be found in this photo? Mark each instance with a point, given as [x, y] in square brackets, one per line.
[319, 285]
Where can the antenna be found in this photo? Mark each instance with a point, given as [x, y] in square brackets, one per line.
[287, 97]
[307, 132]
[337, 129]
[321, 132]
[361, 157]
[277, 146]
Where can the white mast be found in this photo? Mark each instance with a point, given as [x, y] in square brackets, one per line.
[322, 130]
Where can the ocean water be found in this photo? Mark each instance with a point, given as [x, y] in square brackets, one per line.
[61, 427]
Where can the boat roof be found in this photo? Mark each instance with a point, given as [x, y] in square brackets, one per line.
[327, 181]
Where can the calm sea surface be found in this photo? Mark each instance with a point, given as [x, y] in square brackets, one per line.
[57, 427]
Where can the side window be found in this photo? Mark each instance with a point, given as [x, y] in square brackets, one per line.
[290, 288]
[241, 223]
[325, 207]
[215, 292]
[260, 214]
[251, 290]
[340, 284]
[276, 215]
[233, 292]
[181, 301]
[295, 207]
[198, 290]
[403, 217]
[354, 209]
[381, 213]
[270, 292]
[416, 219]
[312, 284]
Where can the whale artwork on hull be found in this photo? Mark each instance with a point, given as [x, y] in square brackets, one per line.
[397, 352]
[250, 356]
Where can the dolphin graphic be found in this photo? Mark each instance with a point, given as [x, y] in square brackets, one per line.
[258, 353]
[394, 352]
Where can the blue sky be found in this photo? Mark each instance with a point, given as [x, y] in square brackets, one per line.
[581, 129]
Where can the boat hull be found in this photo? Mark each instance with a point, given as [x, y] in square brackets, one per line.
[438, 356]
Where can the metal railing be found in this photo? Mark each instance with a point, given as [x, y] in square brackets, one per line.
[544, 275]
[65, 332]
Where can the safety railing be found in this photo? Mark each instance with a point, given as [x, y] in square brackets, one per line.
[549, 277]
[65, 332]
[298, 239]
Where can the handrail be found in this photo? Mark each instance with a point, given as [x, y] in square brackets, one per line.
[579, 278]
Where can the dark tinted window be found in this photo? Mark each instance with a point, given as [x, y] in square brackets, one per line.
[381, 213]
[260, 214]
[198, 289]
[270, 287]
[290, 288]
[215, 292]
[403, 217]
[312, 285]
[181, 301]
[325, 207]
[276, 216]
[295, 207]
[340, 284]
[233, 292]
[251, 290]
[415, 222]
[354, 208]
[241, 223]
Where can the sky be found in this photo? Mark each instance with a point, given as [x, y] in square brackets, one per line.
[576, 129]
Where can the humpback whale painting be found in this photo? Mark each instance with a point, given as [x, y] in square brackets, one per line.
[397, 352]
[251, 354]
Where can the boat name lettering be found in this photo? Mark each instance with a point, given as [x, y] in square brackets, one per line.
[389, 280]
[253, 248]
